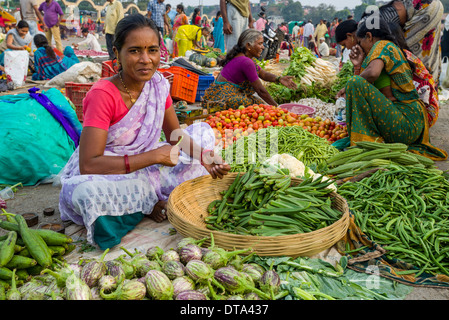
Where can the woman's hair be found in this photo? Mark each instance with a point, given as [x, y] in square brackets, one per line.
[383, 32]
[312, 46]
[347, 26]
[130, 23]
[180, 7]
[207, 29]
[218, 14]
[41, 41]
[85, 30]
[22, 24]
[195, 13]
[248, 36]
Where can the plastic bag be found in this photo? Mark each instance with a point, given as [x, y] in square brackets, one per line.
[16, 67]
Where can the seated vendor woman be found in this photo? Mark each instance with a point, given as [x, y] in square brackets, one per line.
[371, 115]
[121, 171]
[17, 38]
[46, 62]
[240, 77]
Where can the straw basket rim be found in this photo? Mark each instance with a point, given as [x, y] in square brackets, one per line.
[187, 215]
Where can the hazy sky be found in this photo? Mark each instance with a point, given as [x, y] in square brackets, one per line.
[338, 4]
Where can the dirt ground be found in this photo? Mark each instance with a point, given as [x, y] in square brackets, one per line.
[37, 198]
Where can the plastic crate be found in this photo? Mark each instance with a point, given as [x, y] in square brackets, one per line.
[76, 93]
[108, 68]
[185, 84]
[204, 82]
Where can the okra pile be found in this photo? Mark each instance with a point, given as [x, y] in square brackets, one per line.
[366, 155]
[405, 209]
[266, 203]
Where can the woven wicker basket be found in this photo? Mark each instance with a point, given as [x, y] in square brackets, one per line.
[187, 208]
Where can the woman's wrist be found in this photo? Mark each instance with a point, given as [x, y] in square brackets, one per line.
[278, 79]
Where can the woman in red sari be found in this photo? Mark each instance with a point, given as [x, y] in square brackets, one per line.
[180, 19]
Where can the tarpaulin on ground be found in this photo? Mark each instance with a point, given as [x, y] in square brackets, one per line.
[37, 136]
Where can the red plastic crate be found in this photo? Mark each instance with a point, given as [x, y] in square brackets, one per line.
[76, 93]
[185, 84]
[108, 68]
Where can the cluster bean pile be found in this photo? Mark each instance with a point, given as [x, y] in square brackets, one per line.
[406, 210]
[261, 145]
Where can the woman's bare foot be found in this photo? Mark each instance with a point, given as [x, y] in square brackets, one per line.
[159, 211]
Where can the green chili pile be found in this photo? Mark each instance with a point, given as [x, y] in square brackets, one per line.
[405, 210]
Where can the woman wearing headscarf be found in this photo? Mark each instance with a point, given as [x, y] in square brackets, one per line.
[421, 22]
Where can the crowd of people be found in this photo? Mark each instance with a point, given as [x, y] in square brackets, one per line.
[121, 171]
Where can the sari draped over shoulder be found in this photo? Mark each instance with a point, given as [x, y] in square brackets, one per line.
[84, 198]
[371, 116]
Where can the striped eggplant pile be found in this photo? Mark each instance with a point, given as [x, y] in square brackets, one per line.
[193, 271]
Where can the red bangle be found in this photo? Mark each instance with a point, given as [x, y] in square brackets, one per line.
[204, 151]
[128, 170]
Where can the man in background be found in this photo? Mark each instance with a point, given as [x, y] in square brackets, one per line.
[52, 17]
[237, 17]
[308, 33]
[157, 12]
[114, 13]
[29, 11]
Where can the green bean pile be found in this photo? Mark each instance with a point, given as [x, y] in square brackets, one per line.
[266, 204]
[258, 146]
[405, 210]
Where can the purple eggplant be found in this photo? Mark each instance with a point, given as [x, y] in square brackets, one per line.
[159, 286]
[185, 241]
[127, 266]
[107, 283]
[170, 255]
[77, 289]
[115, 268]
[189, 252]
[183, 283]
[218, 257]
[173, 269]
[254, 270]
[191, 295]
[202, 273]
[235, 282]
[270, 282]
[154, 252]
[127, 290]
[94, 270]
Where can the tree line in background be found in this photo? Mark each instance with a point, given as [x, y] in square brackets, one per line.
[290, 11]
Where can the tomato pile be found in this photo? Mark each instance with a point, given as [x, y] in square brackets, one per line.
[231, 124]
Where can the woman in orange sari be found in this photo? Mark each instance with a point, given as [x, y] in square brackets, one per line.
[180, 19]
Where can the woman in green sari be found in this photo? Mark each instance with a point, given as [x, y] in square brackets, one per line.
[373, 116]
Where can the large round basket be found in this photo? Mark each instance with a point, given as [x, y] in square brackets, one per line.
[187, 208]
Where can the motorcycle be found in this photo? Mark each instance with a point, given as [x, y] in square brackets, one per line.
[272, 42]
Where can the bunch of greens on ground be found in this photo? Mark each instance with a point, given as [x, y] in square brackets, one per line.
[315, 279]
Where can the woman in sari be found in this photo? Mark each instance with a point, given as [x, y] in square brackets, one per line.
[180, 20]
[46, 62]
[217, 33]
[121, 171]
[371, 115]
[190, 36]
[423, 79]
[240, 76]
[421, 22]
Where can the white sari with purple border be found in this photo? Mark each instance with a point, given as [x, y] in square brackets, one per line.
[84, 198]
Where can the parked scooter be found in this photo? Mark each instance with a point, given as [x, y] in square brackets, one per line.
[272, 41]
